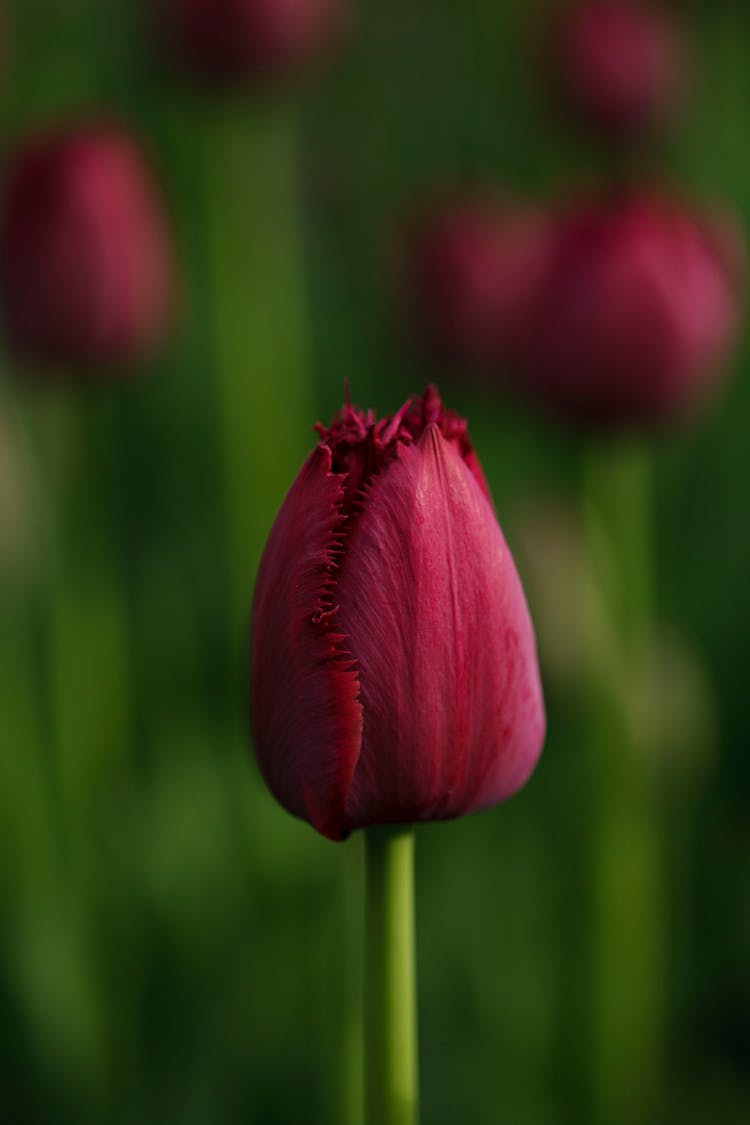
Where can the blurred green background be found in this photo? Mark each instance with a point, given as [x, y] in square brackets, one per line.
[174, 947]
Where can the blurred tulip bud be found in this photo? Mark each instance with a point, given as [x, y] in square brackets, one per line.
[470, 267]
[394, 669]
[635, 315]
[618, 64]
[232, 40]
[86, 258]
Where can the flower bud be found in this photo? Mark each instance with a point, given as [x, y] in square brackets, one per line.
[619, 64]
[394, 668]
[232, 40]
[86, 259]
[635, 314]
[470, 267]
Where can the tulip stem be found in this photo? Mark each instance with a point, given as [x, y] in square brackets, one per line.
[626, 961]
[259, 324]
[391, 1084]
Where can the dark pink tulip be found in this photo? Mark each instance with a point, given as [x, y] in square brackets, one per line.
[470, 267]
[619, 63]
[86, 259]
[230, 40]
[636, 314]
[394, 672]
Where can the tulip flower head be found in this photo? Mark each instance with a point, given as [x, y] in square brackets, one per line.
[394, 668]
[636, 313]
[233, 40]
[619, 64]
[470, 266]
[86, 259]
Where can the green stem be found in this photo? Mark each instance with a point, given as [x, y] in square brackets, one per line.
[616, 488]
[391, 1085]
[259, 329]
[349, 979]
[626, 958]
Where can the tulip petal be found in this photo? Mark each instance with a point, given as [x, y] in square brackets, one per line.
[453, 718]
[307, 720]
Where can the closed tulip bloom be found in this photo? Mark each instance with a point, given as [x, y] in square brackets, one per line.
[470, 266]
[86, 258]
[619, 64]
[394, 669]
[231, 40]
[636, 314]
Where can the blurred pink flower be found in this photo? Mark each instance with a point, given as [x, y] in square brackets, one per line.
[230, 40]
[470, 266]
[619, 64]
[86, 257]
[394, 672]
[636, 313]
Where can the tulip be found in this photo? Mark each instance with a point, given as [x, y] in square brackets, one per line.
[635, 315]
[230, 40]
[470, 266]
[86, 259]
[619, 64]
[394, 669]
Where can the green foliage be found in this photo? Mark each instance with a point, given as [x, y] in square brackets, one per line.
[174, 948]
